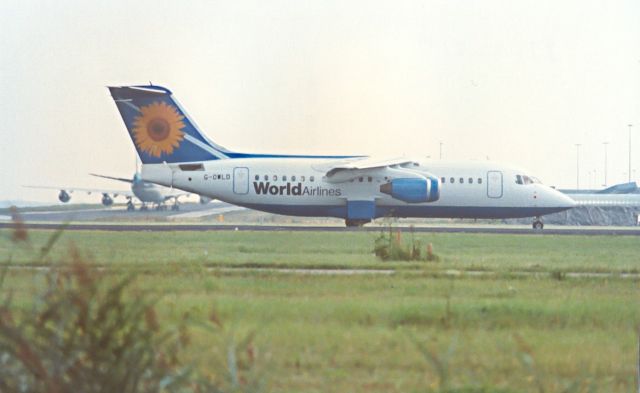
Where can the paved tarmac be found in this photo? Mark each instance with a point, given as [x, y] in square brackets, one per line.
[517, 230]
[120, 213]
[117, 218]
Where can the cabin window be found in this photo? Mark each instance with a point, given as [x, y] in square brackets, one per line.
[461, 180]
[275, 177]
[266, 177]
[284, 178]
[361, 179]
[302, 178]
[370, 179]
[293, 178]
[519, 179]
[471, 180]
[257, 177]
[479, 180]
[311, 179]
[443, 180]
[452, 180]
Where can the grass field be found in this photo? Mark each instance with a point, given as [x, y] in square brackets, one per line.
[346, 250]
[416, 330]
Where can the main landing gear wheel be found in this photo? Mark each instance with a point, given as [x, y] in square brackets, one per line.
[175, 207]
[356, 223]
[537, 224]
[130, 206]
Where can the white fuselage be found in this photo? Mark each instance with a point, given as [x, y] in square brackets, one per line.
[150, 193]
[298, 186]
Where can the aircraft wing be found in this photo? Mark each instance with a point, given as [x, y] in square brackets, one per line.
[115, 193]
[347, 170]
[112, 178]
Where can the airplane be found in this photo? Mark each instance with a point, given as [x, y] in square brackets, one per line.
[175, 153]
[146, 192]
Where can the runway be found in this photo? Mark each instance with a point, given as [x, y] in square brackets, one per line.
[187, 211]
[513, 230]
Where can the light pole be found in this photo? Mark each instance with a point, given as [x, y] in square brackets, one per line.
[605, 162]
[578, 165]
[630, 125]
[441, 150]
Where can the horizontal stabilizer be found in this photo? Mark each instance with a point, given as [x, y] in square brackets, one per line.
[113, 178]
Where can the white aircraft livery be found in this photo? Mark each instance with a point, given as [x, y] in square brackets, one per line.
[175, 153]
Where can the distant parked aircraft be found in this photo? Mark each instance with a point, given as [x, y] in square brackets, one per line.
[175, 153]
[146, 192]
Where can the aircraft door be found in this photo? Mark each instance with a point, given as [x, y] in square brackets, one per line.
[241, 180]
[494, 184]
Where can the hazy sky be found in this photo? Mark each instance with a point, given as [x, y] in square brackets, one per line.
[516, 81]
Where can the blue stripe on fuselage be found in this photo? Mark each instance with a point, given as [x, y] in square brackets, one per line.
[249, 155]
[340, 211]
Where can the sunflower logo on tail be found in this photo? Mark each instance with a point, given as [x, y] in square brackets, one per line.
[158, 130]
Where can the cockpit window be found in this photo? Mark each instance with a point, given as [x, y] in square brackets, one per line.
[526, 180]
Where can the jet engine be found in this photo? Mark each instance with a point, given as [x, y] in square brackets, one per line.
[107, 200]
[64, 196]
[413, 190]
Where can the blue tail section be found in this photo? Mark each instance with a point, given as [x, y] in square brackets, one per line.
[163, 132]
[160, 129]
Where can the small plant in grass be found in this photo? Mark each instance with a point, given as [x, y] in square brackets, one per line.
[441, 363]
[541, 381]
[558, 275]
[389, 246]
[87, 331]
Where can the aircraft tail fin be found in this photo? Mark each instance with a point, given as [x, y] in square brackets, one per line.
[160, 129]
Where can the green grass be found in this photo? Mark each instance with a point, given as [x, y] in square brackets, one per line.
[365, 333]
[500, 253]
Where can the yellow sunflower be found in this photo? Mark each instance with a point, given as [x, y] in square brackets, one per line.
[158, 130]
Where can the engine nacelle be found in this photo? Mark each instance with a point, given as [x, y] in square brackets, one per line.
[413, 190]
[64, 196]
[107, 200]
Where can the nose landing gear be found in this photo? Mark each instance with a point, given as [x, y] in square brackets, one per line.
[537, 224]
